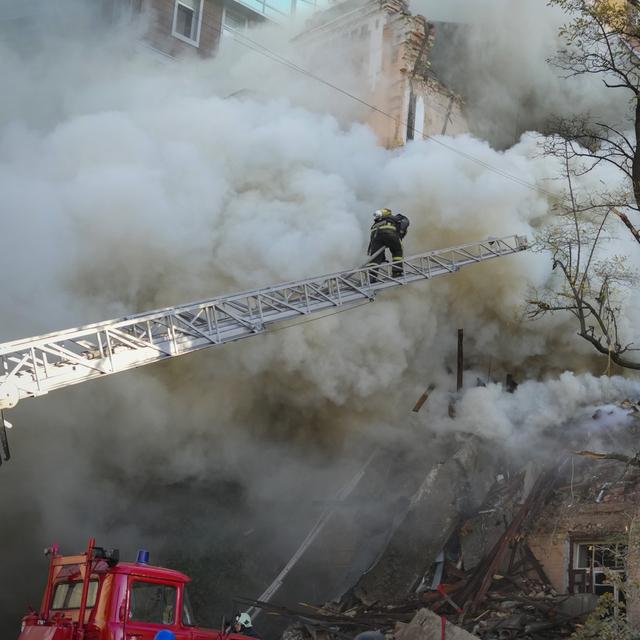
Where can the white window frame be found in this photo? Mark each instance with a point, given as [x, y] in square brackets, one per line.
[231, 29]
[176, 34]
[593, 569]
[227, 32]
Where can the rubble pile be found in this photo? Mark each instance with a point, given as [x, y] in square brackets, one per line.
[521, 607]
[526, 554]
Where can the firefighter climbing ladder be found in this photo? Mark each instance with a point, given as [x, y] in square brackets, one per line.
[35, 366]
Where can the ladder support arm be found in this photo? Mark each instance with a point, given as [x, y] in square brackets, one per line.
[35, 366]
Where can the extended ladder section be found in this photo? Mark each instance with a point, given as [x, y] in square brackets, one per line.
[35, 366]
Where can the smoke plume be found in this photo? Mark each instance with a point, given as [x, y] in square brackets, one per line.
[129, 183]
[495, 53]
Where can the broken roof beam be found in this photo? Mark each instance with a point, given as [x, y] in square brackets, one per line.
[620, 457]
[480, 582]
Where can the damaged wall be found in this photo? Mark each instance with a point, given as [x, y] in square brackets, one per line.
[453, 488]
[597, 506]
[389, 48]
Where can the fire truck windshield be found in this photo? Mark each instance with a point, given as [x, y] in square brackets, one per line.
[67, 595]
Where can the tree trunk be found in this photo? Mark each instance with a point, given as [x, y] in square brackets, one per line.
[635, 165]
[633, 574]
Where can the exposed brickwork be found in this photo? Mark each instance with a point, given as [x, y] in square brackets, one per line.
[574, 513]
[389, 50]
[633, 573]
[550, 552]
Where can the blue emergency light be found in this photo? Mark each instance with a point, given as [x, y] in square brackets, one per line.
[143, 557]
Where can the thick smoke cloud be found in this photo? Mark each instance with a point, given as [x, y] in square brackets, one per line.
[130, 183]
[495, 53]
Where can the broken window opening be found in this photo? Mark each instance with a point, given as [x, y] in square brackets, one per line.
[593, 567]
[411, 116]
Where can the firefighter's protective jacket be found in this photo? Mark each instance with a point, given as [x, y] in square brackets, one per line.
[396, 224]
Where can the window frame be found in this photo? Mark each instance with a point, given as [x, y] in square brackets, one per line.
[232, 30]
[583, 579]
[92, 581]
[194, 42]
[177, 614]
[186, 607]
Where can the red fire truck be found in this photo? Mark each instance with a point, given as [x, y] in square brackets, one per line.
[93, 596]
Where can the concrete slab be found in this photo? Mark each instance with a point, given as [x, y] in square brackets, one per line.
[449, 492]
[426, 625]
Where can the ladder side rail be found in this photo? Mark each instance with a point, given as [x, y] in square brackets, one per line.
[208, 341]
[39, 365]
[510, 244]
[343, 280]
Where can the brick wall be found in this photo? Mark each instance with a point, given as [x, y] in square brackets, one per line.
[384, 42]
[568, 518]
[161, 25]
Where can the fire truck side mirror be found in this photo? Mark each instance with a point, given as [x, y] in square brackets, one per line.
[123, 611]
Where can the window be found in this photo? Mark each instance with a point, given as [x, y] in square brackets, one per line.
[187, 16]
[151, 602]
[593, 563]
[187, 613]
[67, 595]
[411, 116]
[235, 20]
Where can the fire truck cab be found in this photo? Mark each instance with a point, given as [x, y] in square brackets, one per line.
[93, 596]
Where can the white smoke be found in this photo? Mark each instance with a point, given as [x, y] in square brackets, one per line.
[497, 58]
[537, 406]
[129, 184]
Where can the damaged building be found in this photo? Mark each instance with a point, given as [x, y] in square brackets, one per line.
[388, 48]
[475, 546]
[380, 40]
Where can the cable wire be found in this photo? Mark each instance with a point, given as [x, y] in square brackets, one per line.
[272, 55]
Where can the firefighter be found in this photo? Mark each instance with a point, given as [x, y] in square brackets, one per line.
[387, 232]
[243, 625]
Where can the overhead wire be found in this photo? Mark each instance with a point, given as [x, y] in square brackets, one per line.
[276, 57]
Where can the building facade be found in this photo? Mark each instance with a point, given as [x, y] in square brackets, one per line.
[179, 27]
[389, 47]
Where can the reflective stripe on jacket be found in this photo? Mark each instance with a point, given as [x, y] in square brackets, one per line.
[384, 225]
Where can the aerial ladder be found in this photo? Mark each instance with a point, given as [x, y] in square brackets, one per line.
[35, 366]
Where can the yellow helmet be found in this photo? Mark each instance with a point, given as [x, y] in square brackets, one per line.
[381, 213]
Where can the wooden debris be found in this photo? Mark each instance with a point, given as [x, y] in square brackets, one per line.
[594, 455]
